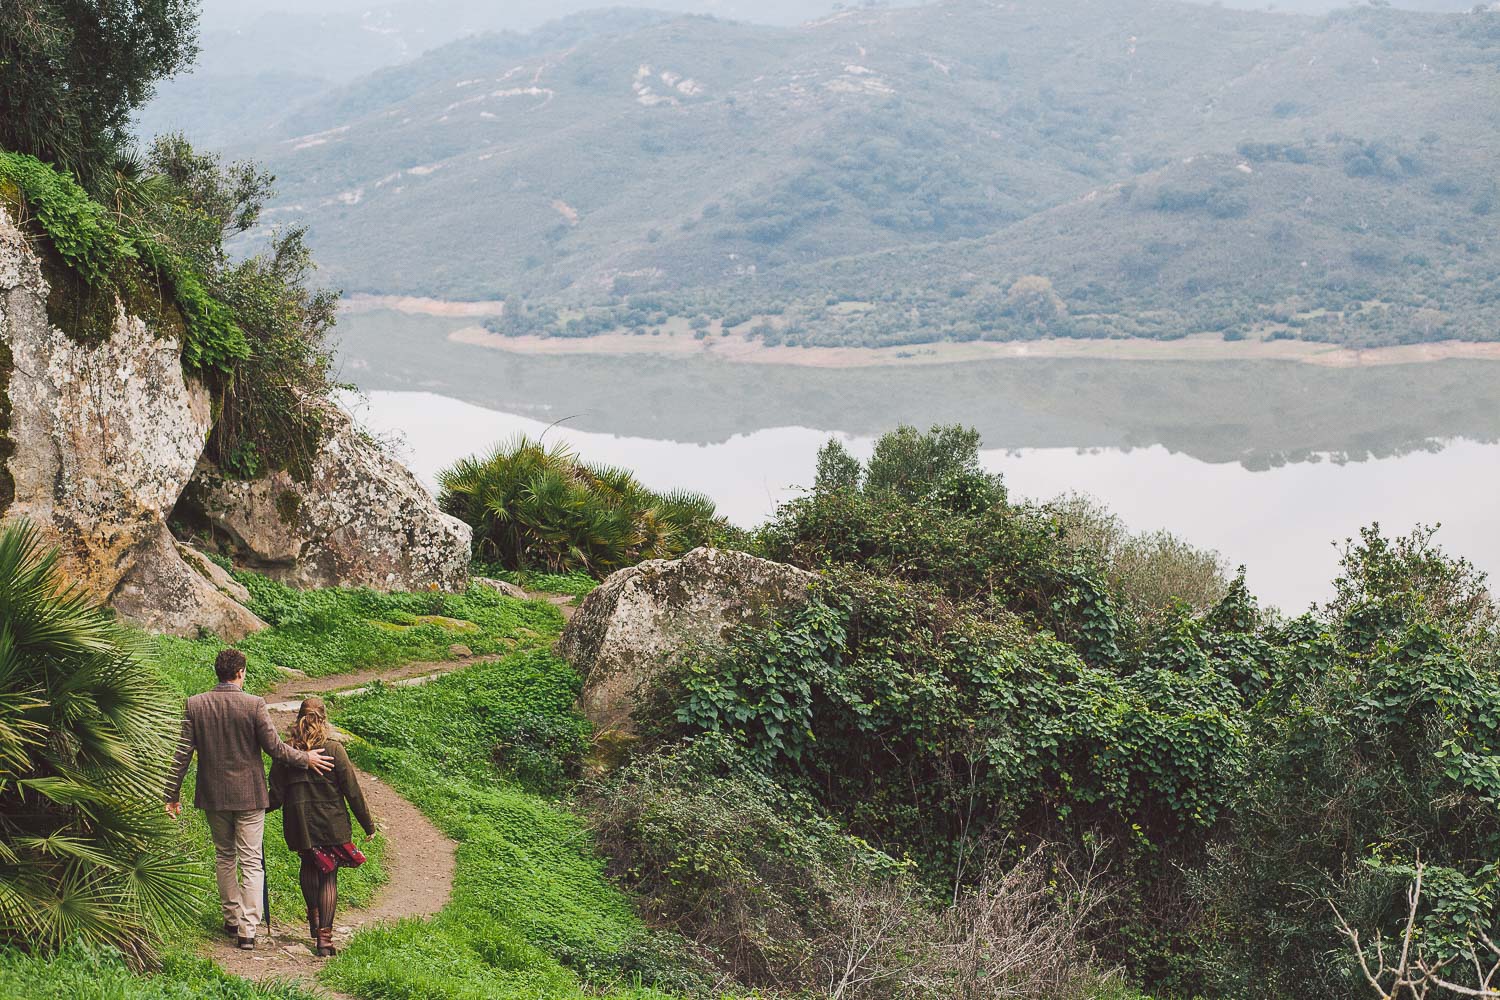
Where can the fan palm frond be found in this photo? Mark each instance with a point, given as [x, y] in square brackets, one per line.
[86, 732]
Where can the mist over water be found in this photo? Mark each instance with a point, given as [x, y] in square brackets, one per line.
[1280, 522]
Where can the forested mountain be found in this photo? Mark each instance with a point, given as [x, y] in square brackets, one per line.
[964, 169]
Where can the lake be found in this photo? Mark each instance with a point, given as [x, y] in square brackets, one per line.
[1269, 463]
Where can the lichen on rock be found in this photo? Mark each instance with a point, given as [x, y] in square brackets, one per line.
[629, 629]
[103, 436]
[359, 519]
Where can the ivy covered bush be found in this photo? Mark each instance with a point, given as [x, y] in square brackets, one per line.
[976, 679]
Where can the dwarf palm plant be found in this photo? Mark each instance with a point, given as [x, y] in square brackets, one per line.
[86, 735]
[539, 507]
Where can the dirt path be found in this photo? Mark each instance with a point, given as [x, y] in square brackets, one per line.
[419, 859]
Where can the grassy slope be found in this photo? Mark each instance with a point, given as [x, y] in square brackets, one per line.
[322, 633]
[532, 913]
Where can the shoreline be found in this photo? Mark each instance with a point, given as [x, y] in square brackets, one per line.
[1200, 347]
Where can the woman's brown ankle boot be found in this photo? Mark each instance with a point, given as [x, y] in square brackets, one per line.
[325, 943]
[313, 920]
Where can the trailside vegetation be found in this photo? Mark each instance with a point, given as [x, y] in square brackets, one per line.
[976, 680]
[86, 735]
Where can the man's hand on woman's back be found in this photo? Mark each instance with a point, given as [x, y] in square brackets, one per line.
[319, 761]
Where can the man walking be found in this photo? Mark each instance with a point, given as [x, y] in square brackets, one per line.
[228, 729]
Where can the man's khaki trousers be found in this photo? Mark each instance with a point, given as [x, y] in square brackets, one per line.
[238, 838]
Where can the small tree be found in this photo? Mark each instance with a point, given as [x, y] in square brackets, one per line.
[837, 469]
[73, 71]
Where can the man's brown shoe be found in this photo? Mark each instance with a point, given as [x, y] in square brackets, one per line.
[247, 944]
[232, 930]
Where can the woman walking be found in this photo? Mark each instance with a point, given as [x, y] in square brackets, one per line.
[315, 819]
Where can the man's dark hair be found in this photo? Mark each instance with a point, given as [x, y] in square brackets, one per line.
[229, 663]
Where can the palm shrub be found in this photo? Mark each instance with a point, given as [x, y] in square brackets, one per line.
[534, 506]
[86, 734]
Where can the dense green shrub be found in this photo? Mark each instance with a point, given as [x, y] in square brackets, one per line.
[923, 510]
[86, 734]
[1376, 747]
[932, 727]
[541, 508]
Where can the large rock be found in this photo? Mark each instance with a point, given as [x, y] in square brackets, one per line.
[176, 589]
[102, 436]
[629, 628]
[361, 519]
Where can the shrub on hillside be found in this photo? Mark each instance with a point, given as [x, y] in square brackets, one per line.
[86, 734]
[542, 508]
[924, 510]
[779, 896]
[1377, 747]
[932, 728]
[1149, 570]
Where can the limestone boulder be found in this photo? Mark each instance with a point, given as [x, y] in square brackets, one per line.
[175, 589]
[360, 519]
[102, 436]
[508, 589]
[631, 627]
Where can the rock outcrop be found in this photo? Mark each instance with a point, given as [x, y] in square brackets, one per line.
[361, 519]
[99, 437]
[628, 629]
[102, 438]
[176, 589]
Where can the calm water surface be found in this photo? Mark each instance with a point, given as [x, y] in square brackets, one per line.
[1280, 517]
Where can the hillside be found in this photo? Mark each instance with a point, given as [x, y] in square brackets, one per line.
[886, 176]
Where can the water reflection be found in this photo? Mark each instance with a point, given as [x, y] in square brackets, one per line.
[1281, 521]
[1260, 415]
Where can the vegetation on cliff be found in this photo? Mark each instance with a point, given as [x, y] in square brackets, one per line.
[148, 230]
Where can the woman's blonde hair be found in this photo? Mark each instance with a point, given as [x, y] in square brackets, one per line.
[311, 728]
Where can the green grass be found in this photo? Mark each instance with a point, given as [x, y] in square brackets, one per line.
[532, 914]
[103, 975]
[336, 631]
[577, 584]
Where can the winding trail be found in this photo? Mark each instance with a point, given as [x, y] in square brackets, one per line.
[419, 858]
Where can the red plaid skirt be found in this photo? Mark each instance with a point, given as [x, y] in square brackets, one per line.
[337, 856]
